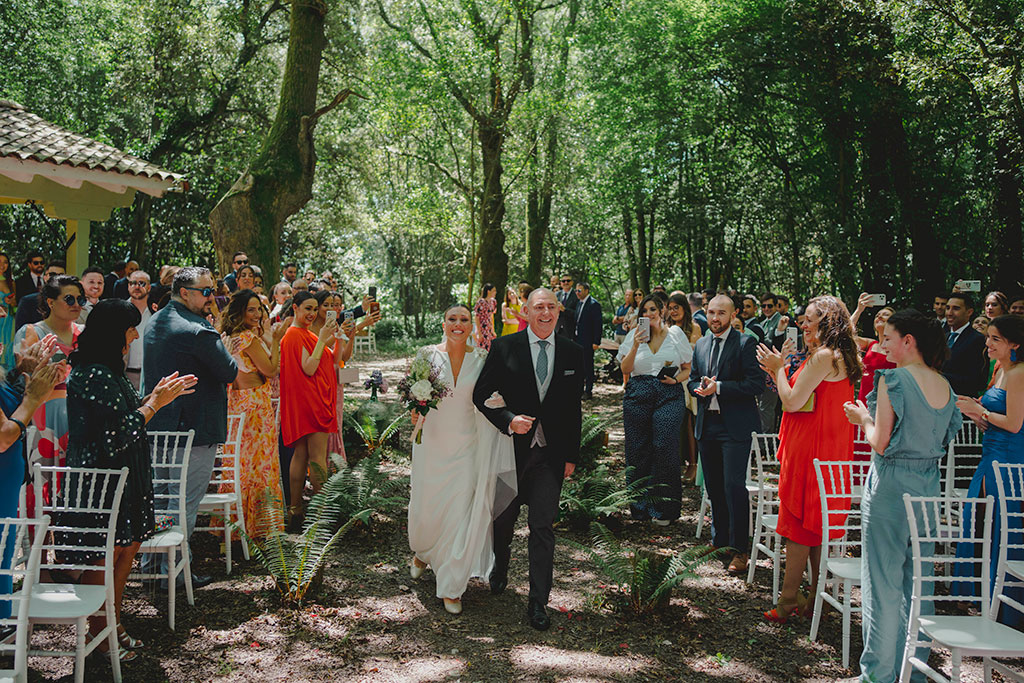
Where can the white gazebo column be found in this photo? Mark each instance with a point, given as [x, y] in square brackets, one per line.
[78, 251]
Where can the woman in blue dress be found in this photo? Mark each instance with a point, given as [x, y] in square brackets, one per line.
[18, 401]
[1000, 413]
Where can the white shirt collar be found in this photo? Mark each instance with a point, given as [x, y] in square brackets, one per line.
[534, 338]
[723, 335]
[961, 329]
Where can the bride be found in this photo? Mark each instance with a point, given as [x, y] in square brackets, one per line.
[456, 471]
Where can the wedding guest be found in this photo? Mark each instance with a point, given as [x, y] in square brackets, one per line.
[300, 286]
[138, 296]
[6, 312]
[873, 359]
[524, 295]
[634, 311]
[981, 324]
[588, 326]
[509, 308]
[619, 321]
[747, 316]
[289, 273]
[33, 307]
[696, 300]
[966, 367]
[121, 286]
[567, 315]
[652, 410]
[92, 285]
[810, 430]
[63, 299]
[244, 323]
[909, 420]
[726, 381]
[679, 316]
[309, 276]
[309, 398]
[939, 306]
[179, 338]
[32, 280]
[107, 422]
[996, 304]
[1000, 414]
[19, 401]
[237, 261]
[280, 295]
[1017, 306]
[768, 402]
[111, 278]
[483, 313]
[245, 278]
[162, 289]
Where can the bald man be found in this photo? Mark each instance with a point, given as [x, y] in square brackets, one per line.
[726, 380]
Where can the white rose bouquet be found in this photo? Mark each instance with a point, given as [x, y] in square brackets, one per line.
[422, 389]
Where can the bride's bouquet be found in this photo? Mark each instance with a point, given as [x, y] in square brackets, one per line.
[422, 389]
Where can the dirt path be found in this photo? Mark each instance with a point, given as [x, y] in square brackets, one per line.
[372, 623]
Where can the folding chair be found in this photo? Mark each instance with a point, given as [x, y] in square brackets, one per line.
[840, 486]
[765, 537]
[962, 460]
[16, 532]
[227, 478]
[170, 477]
[972, 636]
[1010, 490]
[86, 507]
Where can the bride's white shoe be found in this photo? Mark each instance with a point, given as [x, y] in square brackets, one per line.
[416, 568]
[453, 605]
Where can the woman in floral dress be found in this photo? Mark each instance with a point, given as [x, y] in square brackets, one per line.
[484, 310]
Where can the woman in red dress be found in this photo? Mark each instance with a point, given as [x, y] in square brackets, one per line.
[309, 398]
[810, 430]
[873, 359]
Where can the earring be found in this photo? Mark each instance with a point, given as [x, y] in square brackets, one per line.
[1013, 355]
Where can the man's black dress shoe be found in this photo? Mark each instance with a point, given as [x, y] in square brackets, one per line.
[537, 615]
[201, 581]
[499, 582]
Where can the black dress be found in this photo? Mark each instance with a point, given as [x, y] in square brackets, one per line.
[107, 431]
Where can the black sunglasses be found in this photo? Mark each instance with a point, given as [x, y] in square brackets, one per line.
[71, 299]
[205, 291]
[138, 283]
[566, 280]
[37, 262]
[242, 262]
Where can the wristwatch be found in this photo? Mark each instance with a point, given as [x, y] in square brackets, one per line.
[984, 415]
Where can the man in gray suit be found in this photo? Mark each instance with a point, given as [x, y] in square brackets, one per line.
[178, 338]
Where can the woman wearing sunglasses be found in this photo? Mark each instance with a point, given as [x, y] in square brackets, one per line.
[60, 300]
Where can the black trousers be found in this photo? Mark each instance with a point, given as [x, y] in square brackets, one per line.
[539, 476]
[724, 463]
[588, 368]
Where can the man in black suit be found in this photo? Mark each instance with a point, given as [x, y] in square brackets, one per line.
[539, 376]
[111, 278]
[726, 380]
[237, 261]
[32, 280]
[588, 334]
[967, 364]
[696, 300]
[567, 316]
[121, 286]
[29, 311]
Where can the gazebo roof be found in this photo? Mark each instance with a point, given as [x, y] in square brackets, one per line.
[31, 146]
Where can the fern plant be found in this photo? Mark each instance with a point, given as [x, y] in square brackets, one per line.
[360, 490]
[296, 564]
[593, 441]
[375, 439]
[644, 579]
[597, 497]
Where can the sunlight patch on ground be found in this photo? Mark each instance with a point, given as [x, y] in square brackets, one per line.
[399, 608]
[582, 666]
[380, 670]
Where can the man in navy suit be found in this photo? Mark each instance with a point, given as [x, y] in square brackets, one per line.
[568, 301]
[588, 334]
[726, 380]
[967, 365]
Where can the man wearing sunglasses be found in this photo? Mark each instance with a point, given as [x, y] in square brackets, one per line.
[178, 338]
[237, 261]
[29, 312]
[32, 280]
[568, 304]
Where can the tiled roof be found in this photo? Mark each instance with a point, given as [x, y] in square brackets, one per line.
[25, 136]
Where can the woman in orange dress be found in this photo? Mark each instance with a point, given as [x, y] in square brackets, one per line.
[819, 430]
[309, 398]
[250, 395]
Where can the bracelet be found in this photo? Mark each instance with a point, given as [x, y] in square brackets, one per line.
[146, 405]
[21, 426]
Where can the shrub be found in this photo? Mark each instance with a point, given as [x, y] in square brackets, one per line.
[593, 442]
[360, 490]
[598, 497]
[390, 329]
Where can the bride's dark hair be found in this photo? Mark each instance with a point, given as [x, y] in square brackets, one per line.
[454, 306]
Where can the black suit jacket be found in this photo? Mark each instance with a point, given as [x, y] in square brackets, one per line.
[740, 381]
[109, 280]
[24, 286]
[509, 371]
[28, 311]
[567, 318]
[589, 323]
[967, 365]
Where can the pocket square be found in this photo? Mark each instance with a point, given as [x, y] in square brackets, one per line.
[570, 372]
[495, 400]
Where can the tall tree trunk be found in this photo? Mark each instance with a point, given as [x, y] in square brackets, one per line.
[627, 237]
[1009, 263]
[279, 181]
[493, 259]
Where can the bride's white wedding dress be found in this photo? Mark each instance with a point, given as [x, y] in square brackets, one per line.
[454, 474]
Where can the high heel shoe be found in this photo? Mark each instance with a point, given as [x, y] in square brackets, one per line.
[126, 641]
[782, 612]
[453, 605]
[416, 567]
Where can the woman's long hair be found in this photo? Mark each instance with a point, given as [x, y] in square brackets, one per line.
[102, 340]
[6, 275]
[233, 319]
[836, 333]
[927, 333]
[1011, 328]
[1001, 299]
[684, 304]
[51, 290]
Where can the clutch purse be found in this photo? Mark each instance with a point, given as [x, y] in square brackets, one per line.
[809, 406]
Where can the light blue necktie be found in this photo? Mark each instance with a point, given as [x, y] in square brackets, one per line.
[952, 339]
[542, 361]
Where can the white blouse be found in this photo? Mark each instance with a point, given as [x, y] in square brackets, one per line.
[675, 350]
